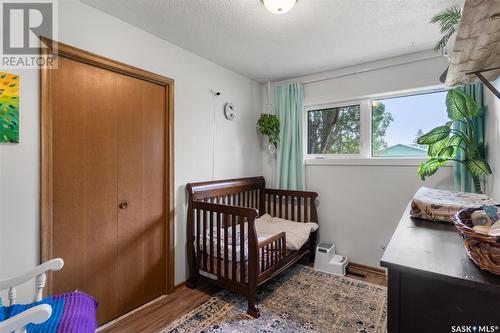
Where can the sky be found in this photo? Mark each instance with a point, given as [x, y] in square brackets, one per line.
[412, 113]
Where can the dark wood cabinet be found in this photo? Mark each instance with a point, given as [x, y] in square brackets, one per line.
[433, 285]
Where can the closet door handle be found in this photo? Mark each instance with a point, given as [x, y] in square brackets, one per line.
[123, 204]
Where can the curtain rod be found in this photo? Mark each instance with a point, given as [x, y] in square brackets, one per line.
[369, 69]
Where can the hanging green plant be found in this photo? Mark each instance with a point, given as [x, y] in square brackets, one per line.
[445, 141]
[269, 124]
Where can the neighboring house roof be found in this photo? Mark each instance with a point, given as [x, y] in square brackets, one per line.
[402, 150]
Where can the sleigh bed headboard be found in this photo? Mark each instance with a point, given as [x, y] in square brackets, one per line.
[242, 192]
[251, 192]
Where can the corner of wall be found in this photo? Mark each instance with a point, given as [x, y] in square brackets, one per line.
[492, 141]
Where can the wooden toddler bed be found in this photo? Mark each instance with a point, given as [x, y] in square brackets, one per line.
[222, 244]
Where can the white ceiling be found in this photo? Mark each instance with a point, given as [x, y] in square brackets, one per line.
[315, 36]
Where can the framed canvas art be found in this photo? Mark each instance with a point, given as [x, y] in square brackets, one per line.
[9, 108]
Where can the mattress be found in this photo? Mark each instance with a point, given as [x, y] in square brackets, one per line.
[297, 234]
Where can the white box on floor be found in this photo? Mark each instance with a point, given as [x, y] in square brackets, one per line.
[327, 261]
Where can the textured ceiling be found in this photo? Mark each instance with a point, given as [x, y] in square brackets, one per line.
[315, 36]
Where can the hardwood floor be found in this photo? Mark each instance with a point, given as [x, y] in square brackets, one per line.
[367, 274]
[158, 314]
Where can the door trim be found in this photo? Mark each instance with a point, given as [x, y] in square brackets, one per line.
[58, 49]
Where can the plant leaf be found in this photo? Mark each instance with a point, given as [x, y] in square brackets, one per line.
[435, 148]
[478, 167]
[446, 153]
[472, 108]
[455, 141]
[456, 104]
[430, 167]
[448, 20]
[436, 134]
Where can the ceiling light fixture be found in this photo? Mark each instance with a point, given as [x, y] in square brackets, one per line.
[279, 6]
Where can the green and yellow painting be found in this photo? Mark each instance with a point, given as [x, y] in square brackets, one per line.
[9, 108]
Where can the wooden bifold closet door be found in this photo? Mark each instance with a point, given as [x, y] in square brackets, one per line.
[108, 165]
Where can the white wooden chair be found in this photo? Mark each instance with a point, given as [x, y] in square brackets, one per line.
[37, 314]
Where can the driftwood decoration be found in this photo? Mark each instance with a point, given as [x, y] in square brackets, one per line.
[477, 45]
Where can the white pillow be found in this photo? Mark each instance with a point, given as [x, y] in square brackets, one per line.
[297, 233]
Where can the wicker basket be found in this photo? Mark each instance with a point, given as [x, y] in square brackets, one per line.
[483, 249]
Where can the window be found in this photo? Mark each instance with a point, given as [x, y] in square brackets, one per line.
[398, 122]
[334, 130]
[385, 127]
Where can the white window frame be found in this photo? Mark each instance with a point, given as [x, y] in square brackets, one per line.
[331, 106]
[365, 156]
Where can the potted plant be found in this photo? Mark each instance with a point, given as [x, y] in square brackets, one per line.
[445, 141]
[269, 124]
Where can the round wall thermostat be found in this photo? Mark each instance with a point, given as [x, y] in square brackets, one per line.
[229, 111]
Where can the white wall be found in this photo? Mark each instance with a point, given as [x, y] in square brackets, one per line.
[360, 205]
[493, 140]
[417, 74]
[238, 150]
[19, 187]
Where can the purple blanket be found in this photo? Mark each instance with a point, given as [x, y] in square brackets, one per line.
[73, 312]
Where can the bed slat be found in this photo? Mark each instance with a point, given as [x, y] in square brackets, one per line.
[233, 248]
[226, 246]
[204, 233]
[198, 234]
[242, 249]
[218, 244]
[281, 203]
[211, 230]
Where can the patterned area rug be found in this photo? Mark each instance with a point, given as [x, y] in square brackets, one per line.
[299, 300]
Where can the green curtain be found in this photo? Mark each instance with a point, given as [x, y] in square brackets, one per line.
[290, 111]
[463, 180]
